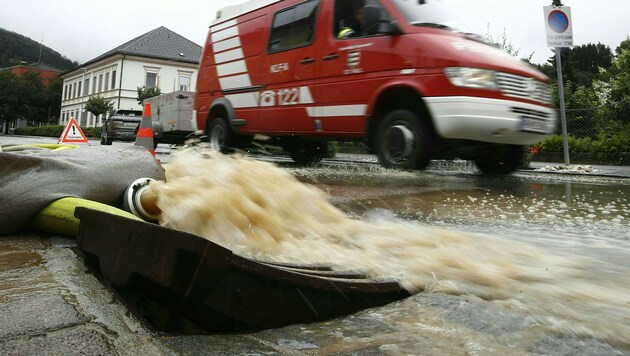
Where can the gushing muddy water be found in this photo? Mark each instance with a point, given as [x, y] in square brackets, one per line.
[263, 212]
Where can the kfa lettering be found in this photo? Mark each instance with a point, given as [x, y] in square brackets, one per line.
[280, 67]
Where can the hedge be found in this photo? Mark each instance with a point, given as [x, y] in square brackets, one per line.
[54, 131]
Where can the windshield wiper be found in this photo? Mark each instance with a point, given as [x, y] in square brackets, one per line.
[432, 25]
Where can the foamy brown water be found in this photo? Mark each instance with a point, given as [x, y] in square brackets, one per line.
[260, 211]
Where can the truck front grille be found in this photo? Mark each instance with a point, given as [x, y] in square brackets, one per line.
[524, 88]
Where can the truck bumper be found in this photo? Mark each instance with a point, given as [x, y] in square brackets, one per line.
[491, 120]
[123, 136]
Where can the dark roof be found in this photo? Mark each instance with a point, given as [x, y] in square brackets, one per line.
[160, 43]
[39, 66]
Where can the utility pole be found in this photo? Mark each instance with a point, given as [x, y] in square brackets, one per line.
[563, 113]
[41, 46]
[560, 35]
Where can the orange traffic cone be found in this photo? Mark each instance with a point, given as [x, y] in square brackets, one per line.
[144, 137]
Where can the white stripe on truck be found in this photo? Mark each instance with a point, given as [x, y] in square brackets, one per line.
[225, 45]
[235, 82]
[225, 34]
[244, 100]
[337, 110]
[222, 26]
[231, 68]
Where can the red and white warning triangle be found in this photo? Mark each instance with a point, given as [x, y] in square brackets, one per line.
[72, 133]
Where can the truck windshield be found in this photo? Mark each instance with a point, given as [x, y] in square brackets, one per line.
[430, 13]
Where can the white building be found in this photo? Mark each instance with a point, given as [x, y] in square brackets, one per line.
[159, 58]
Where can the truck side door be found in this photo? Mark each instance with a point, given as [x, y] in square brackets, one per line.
[352, 64]
[289, 68]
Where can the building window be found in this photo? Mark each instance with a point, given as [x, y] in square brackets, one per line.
[86, 86]
[184, 82]
[151, 80]
[100, 83]
[65, 92]
[78, 89]
[94, 84]
[106, 81]
[113, 79]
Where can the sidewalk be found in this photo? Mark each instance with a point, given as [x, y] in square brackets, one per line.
[598, 170]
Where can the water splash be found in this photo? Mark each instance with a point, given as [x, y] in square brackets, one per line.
[263, 212]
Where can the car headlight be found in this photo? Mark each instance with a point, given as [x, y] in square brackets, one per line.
[472, 77]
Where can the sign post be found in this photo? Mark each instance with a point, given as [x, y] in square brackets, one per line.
[560, 35]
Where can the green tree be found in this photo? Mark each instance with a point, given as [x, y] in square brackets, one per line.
[503, 42]
[98, 105]
[581, 64]
[557, 3]
[8, 98]
[625, 44]
[31, 97]
[145, 93]
[21, 97]
[620, 86]
[52, 99]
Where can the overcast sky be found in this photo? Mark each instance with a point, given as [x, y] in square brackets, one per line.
[84, 29]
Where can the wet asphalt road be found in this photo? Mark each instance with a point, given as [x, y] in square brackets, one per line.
[51, 302]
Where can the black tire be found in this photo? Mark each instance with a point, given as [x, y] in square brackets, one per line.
[307, 154]
[104, 139]
[500, 159]
[403, 142]
[220, 136]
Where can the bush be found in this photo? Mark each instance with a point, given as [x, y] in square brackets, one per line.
[47, 131]
[55, 131]
[94, 132]
[608, 147]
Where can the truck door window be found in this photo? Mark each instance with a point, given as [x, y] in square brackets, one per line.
[349, 18]
[293, 27]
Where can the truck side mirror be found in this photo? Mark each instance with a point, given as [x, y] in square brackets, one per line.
[373, 23]
[371, 18]
[388, 28]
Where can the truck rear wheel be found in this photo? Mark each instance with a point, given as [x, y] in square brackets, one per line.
[220, 136]
[307, 154]
[500, 159]
[403, 142]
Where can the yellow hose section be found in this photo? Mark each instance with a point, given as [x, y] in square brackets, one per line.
[43, 146]
[58, 217]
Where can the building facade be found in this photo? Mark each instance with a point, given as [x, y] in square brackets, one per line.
[159, 58]
[45, 71]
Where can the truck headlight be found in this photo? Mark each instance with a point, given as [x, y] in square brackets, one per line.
[471, 78]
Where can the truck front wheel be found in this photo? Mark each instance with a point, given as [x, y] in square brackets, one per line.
[500, 159]
[403, 142]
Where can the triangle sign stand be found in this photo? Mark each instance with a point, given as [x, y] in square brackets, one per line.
[72, 133]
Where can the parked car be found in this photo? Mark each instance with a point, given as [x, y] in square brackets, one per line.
[120, 125]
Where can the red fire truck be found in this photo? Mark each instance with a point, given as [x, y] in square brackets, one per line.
[398, 75]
